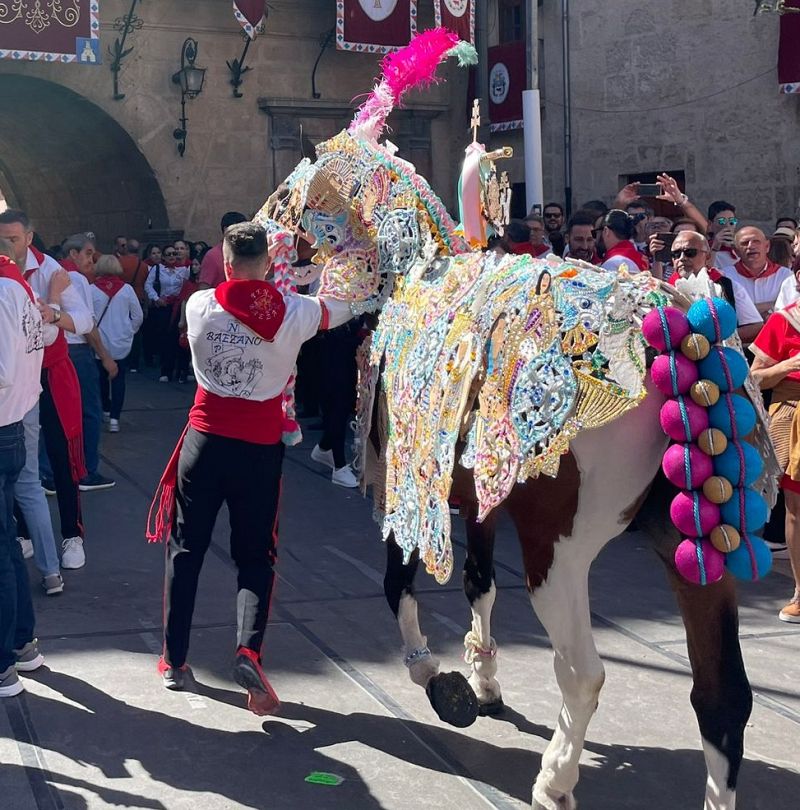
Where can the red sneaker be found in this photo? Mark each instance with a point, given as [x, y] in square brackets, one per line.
[247, 672]
[173, 678]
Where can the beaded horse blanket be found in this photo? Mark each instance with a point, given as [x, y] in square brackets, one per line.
[515, 356]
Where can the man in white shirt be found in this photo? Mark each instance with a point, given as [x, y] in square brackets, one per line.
[244, 337]
[63, 310]
[79, 261]
[760, 277]
[21, 350]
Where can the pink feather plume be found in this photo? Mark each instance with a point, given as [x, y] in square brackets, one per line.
[410, 67]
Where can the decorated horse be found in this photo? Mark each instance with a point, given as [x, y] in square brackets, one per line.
[572, 397]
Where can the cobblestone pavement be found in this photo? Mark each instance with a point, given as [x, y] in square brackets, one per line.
[96, 729]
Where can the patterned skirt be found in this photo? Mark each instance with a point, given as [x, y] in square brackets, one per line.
[784, 430]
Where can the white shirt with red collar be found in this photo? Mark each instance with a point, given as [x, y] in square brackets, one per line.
[725, 257]
[84, 290]
[21, 352]
[38, 274]
[762, 289]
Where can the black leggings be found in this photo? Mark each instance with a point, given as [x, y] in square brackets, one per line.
[337, 394]
[212, 470]
[67, 493]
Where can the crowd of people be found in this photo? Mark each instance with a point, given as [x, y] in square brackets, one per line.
[75, 322]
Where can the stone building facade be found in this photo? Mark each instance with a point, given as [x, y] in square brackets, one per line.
[77, 159]
[678, 86]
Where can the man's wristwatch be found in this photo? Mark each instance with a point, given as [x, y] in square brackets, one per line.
[684, 200]
[56, 314]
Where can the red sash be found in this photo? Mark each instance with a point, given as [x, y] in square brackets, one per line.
[260, 307]
[110, 285]
[628, 251]
[9, 269]
[771, 269]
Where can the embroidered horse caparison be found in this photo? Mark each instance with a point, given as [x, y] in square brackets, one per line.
[515, 383]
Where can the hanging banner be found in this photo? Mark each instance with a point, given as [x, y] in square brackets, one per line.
[252, 16]
[789, 50]
[457, 16]
[506, 85]
[62, 31]
[375, 26]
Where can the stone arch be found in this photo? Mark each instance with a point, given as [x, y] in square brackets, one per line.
[71, 166]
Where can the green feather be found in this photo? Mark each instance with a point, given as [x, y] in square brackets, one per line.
[465, 53]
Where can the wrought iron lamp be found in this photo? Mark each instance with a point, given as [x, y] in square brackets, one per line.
[191, 79]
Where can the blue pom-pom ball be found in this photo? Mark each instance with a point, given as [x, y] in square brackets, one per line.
[713, 367]
[755, 511]
[701, 319]
[740, 564]
[728, 464]
[744, 415]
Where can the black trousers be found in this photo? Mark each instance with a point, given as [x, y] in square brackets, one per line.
[67, 492]
[212, 470]
[165, 332]
[338, 388]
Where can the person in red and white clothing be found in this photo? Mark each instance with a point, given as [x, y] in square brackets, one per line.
[21, 350]
[761, 278]
[118, 315]
[212, 268]
[60, 403]
[244, 337]
[617, 238]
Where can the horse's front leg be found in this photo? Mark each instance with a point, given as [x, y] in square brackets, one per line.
[480, 590]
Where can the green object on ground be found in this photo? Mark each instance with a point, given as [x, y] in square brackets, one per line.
[321, 778]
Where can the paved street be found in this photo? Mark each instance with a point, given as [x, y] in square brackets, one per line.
[97, 730]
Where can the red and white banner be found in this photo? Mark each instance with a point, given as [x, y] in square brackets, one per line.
[375, 26]
[506, 84]
[64, 31]
[789, 50]
[457, 16]
[252, 16]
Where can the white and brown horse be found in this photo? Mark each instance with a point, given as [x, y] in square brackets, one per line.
[610, 475]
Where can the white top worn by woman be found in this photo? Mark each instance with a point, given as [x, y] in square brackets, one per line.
[118, 319]
[788, 293]
[171, 278]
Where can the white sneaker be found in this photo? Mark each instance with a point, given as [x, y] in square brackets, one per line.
[163, 378]
[26, 544]
[106, 416]
[113, 426]
[73, 555]
[323, 456]
[344, 477]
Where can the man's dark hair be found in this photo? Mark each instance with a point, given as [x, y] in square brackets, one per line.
[231, 218]
[786, 219]
[245, 240]
[719, 205]
[554, 205]
[597, 207]
[13, 215]
[581, 217]
[619, 223]
[518, 231]
[120, 236]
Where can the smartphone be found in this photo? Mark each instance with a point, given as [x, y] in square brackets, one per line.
[649, 189]
[663, 255]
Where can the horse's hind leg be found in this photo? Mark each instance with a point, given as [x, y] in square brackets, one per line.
[480, 590]
[721, 694]
[398, 586]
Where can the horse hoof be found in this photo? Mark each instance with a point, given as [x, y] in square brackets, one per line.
[452, 699]
[491, 709]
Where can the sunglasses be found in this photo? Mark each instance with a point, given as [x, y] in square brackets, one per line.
[552, 215]
[597, 232]
[690, 253]
[727, 221]
[169, 255]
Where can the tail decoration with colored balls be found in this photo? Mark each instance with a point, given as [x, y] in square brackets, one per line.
[718, 509]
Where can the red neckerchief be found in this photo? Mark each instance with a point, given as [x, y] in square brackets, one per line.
[526, 249]
[257, 304]
[9, 269]
[626, 249]
[110, 285]
[69, 266]
[39, 259]
[772, 268]
[713, 274]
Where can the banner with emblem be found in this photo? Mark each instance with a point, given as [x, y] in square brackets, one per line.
[62, 31]
[252, 16]
[506, 85]
[457, 16]
[789, 50]
[375, 26]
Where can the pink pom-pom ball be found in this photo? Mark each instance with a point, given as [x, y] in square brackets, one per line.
[653, 328]
[681, 512]
[688, 557]
[672, 419]
[680, 456]
[684, 369]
